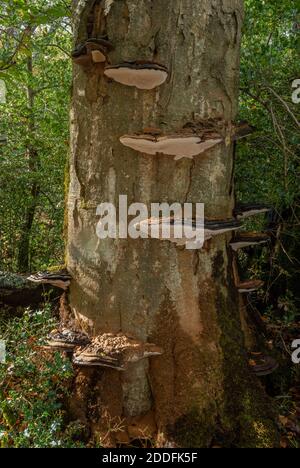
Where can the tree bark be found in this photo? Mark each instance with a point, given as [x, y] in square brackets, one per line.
[201, 389]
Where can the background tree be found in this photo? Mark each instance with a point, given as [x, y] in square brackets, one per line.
[35, 43]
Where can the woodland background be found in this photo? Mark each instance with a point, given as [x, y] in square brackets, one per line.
[35, 64]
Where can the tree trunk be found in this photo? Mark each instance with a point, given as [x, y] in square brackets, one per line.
[33, 167]
[185, 301]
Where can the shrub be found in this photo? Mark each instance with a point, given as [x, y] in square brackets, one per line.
[33, 385]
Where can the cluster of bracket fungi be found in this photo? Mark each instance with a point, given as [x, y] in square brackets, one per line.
[107, 350]
[118, 351]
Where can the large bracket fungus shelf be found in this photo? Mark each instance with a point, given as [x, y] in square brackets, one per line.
[142, 75]
[91, 52]
[217, 227]
[183, 144]
[249, 239]
[245, 287]
[115, 352]
[156, 228]
[60, 279]
[247, 210]
[67, 340]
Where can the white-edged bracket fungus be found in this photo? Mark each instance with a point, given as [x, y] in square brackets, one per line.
[67, 340]
[60, 279]
[142, 75]
[190, 230]
[217, 227]
[115, 351]
[180, 145]
[245, 287]
[249, 239]
[247, 210]
[262, 365]
[92, 51]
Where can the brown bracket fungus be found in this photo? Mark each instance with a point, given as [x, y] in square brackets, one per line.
[98, 48]
[60, 279]
[67, 340]
[248, 239]
[115, 352]
[262, 365]
[92, 51]
[190, 230]
[142, 75]
[245, 287]
[242, 130]
[218, 227]
[180, 145]
[243, 211]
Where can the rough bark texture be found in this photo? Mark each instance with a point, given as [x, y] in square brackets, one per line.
[181, 300]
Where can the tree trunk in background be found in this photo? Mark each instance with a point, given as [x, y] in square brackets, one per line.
[33, 167]
[184, 301]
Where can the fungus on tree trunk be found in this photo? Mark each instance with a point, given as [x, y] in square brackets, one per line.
[184, 144]
[67, 340]
[91, 51]
[115, 351]
[183, 301]
[248, 239]
[262, 365]
[142, 75]
[245, 287]
[246, 210]
[61, 279]
[187, 229]
[242, 130]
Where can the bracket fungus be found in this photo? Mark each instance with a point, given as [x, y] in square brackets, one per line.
[60, 279]
[185, 231]
[92, 51]
[262, 365]
[247, 210]
[245, 287]
[115, 352]
[67, 340]
[248, 239]
[142, 75]
[183, 144]
[242, 130]
[218, 227]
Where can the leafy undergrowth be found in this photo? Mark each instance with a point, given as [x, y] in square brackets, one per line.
[33, 386]
[282, 334]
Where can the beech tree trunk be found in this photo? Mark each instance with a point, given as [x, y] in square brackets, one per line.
[201, 388]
